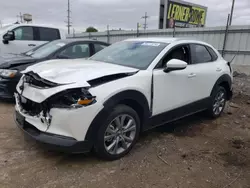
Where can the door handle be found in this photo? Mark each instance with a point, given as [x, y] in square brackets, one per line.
[191, 75]
[218, 69]
[31, 45]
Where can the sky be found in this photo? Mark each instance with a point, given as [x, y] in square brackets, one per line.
[115, 13]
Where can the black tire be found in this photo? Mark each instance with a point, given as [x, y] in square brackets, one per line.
[99, 145]
[217, 91]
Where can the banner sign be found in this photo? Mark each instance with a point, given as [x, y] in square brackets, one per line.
[185, 15]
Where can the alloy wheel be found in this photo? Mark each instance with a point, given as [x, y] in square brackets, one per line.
[120, 134]
[219, 102]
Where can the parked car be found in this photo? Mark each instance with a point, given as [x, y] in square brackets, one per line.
[18, 38]
[12, 65]
[131, 86]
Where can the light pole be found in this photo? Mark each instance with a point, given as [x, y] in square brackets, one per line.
[232, 12]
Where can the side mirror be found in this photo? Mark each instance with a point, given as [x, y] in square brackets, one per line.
[175, 64]
[9, 36]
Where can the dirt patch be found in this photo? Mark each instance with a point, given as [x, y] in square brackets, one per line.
[195, 152]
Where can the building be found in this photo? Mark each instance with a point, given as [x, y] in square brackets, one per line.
[178, 13]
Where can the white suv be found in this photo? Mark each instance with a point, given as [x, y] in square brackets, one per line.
[132, 86]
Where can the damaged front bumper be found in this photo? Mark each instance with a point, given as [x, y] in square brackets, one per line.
[52, 141]
[65, 129]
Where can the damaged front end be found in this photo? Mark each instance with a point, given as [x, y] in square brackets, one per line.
[66, 99]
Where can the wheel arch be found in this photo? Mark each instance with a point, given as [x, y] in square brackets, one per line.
[132, 98]
[226, 82]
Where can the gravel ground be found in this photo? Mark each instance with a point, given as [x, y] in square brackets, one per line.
[195, 152]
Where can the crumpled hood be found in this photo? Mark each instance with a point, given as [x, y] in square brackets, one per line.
[76, 71]
[68, 74]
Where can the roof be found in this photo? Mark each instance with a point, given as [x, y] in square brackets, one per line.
[156, 39]
[168, 40]
[69, 40]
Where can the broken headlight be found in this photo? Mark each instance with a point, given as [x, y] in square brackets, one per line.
[73, 98]
[6, 73]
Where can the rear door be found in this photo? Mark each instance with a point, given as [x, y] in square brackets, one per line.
[206, 68]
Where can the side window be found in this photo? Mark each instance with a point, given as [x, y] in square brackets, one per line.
[180, 52]
[24, 33]
[76, 51]
[48, 34]
[200, 54]
[213, 54]
[99, 47]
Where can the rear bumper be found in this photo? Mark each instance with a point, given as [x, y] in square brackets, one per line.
[52, 141]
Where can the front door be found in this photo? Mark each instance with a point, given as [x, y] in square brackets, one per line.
[174, 89]
[24, 41]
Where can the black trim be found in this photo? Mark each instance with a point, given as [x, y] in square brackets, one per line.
[108, 78]
[152, 94]
[177, 113]
[136, 97]
[52, 141]
[225, 78]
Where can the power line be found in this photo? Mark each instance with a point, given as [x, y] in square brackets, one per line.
[68, 17]
[145, 25]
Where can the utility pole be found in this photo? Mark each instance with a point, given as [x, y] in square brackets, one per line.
[232, 12]
[145, 25]
[68, 17]
[20, 17]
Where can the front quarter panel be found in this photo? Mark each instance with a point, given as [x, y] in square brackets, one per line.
[140, 82]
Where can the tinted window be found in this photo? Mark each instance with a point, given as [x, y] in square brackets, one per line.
[99, 47]
[76, 51]
[200, 54]
[48, 34]
[24, 33]
[213, 54]
[181, 53]
[46, 49]
[137, 54]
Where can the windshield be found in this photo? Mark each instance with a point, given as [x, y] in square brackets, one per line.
[136, 54]
[46, 49]
[29, 52]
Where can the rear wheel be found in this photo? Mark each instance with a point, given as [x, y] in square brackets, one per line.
[118, 133]
[219, 98]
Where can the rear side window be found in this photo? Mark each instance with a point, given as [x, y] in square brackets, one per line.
[200, 54]
[48, 34]
[24, 33]
[213, 53]
[99, 47]
[76, 51]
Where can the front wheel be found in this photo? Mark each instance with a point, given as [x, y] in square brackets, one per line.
[219, 98]
[118, 133]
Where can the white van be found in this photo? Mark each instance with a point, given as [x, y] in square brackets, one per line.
[18, 38]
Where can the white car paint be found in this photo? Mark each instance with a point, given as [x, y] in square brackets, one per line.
[171, 90]
[19, 46]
